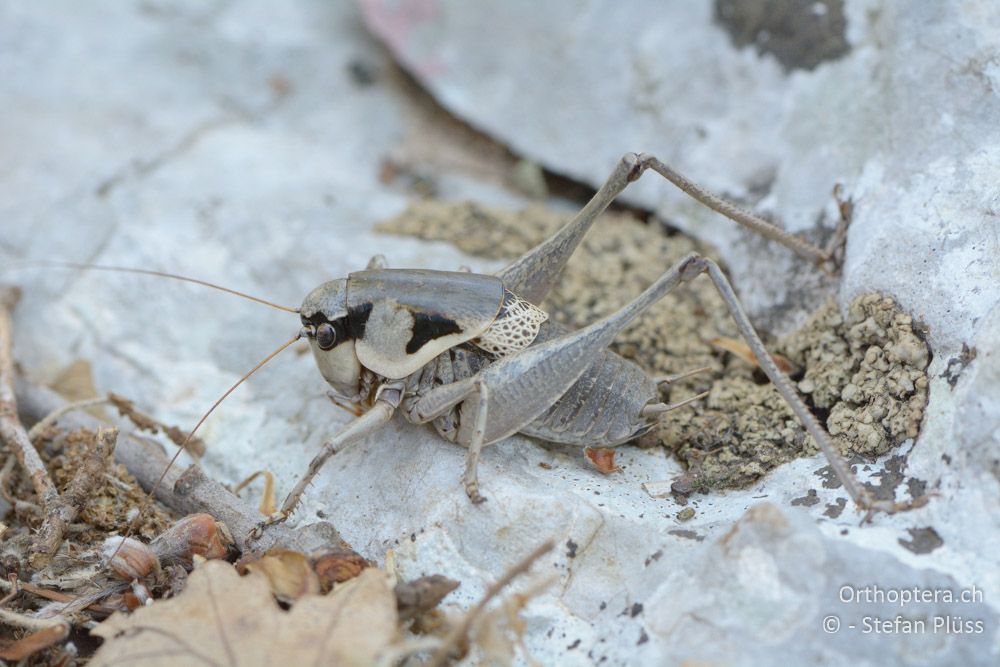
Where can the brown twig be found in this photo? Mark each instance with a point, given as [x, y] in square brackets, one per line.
[268, 504]
[30, 622]
[142, 421]
[67, 506]
[35, 431]
[59, 596]
[5, 471]
[461, 631]
[186, 492]
[25, 647]
[11, 431]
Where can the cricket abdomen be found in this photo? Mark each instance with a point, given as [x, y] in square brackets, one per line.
[602, 409]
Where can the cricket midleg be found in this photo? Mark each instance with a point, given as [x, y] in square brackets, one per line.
[694, 265]
[533, 274]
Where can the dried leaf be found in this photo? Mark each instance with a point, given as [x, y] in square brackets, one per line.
[602, 458]
[76, 382]
[421, 595]
[222, 618]
[289, 572]
[743, 351]
[33, 643]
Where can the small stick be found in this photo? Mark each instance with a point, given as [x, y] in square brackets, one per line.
[54, 416]
[61, 513]
[8, 467]
[32, 623]
[268, 505]
[59, 596]
[15, 590]
[144, 422]
[11, 430]
[452, 640]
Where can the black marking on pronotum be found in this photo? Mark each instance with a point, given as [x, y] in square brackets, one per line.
[428, 327]
[357, 318]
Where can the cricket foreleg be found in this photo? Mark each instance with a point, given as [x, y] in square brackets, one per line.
[363, 426]
[445, 397]
[534, 273]
[861, 497]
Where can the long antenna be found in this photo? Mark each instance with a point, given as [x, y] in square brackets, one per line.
[161, 274]
[180, 448]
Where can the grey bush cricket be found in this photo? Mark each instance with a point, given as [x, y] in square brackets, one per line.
[473, 355]
[476, 357]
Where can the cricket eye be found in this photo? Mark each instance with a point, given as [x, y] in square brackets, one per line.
[326, 336]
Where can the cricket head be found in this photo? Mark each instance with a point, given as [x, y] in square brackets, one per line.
[325, 323]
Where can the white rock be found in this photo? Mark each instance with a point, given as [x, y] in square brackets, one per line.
[906, 120]
[230, 142]
[573, 86]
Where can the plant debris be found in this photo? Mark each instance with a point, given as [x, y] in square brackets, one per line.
[115, 496]
[223, 618]
[863, 372]
[175, 598]
[602, 459]
[126, 408]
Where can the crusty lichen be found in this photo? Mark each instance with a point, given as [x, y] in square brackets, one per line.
[883, 402]
[864, 373]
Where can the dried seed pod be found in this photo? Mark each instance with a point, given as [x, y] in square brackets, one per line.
[194, 535]
[139, 596]
[130, 559]
[337, 566]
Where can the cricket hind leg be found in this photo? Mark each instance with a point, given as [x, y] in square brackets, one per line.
[862, 498]
[689, 268]
[534, 273]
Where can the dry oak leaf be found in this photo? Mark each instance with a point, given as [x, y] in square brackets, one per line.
[224, 619]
